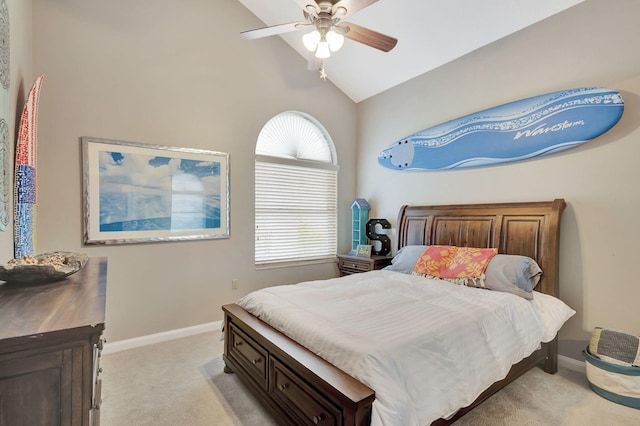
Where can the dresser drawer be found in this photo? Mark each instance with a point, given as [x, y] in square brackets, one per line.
[352, 266]
[249, 353]
[301, 400]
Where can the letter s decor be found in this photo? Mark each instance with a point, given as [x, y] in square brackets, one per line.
[374, 236]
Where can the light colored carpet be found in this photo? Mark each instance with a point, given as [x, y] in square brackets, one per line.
[181, 382]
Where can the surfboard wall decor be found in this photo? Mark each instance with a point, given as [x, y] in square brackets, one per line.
[25, 175]
[511, 132]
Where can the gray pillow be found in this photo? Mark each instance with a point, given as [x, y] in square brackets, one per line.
[514, 274]
[405, 260]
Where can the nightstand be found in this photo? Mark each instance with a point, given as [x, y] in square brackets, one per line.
[351, 264]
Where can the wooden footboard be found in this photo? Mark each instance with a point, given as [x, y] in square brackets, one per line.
[296, 386]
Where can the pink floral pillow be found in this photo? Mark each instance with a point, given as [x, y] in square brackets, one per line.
[462, 265]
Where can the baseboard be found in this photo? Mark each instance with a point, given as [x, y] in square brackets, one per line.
[572, 364]
[136, 342]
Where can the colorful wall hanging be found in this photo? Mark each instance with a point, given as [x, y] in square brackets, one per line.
[25, 175]
[5, 164]
[515, 131]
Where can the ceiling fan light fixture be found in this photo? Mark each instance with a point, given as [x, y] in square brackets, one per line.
[311, 40]
[323, 50]
[328, 31]
[335, 40]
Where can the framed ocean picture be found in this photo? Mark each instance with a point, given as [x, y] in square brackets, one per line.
[139, 193]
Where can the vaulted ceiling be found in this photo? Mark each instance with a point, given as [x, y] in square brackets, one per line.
[430, 33]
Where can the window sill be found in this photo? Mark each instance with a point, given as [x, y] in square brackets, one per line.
[295, 263]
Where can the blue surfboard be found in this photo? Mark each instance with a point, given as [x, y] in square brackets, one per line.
[511, 132]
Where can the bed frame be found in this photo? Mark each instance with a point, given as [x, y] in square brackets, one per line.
[299, 388]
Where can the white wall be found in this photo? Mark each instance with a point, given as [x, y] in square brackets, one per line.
[592, 44]
[171, 73]
[20, 68]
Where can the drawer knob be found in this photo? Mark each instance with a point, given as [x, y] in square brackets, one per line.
[236, 344]
[257, 361]
[283, 386]
[317, 419]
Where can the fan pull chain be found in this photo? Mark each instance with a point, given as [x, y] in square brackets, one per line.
[323, 74]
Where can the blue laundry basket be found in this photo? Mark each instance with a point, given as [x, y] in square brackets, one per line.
[617, 383]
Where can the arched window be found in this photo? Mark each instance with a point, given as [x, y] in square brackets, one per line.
[296, 191]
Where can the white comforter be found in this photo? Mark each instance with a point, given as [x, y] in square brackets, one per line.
[427, 347]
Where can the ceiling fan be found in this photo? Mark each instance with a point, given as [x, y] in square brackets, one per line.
[324, 17]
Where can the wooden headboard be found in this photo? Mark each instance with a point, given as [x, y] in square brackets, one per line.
[529, 229]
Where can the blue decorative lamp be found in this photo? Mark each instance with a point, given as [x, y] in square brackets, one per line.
[359, 218]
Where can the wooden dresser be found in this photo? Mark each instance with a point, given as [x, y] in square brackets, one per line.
[50, 349]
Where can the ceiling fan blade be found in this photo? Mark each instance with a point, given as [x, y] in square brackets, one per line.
[369, 37]
[349, 7]
[273, 30]
[309, 6]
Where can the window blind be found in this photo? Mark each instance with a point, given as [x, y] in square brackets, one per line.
[295, 207]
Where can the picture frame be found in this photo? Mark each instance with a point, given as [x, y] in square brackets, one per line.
[140, 193]
[364, 250]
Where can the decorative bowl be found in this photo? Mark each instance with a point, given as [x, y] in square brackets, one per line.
[43, 268]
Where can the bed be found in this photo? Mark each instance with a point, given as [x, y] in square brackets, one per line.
[299, 387]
